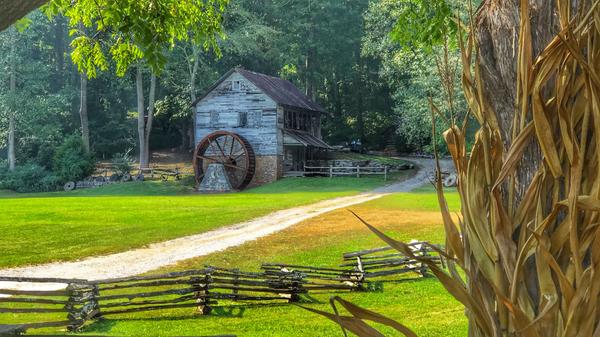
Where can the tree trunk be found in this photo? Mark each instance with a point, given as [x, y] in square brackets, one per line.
[83, 112]
[14, 10]
[145, 120]
[151, 100]
[141, 118]
[11, 142]
[59, 52]
[498, 35]
[193, 72]
[310, 57]
[11, 118]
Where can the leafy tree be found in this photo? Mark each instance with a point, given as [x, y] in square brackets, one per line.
[411, 62]
[128, 31]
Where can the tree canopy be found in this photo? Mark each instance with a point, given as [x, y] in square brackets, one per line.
[127, 31]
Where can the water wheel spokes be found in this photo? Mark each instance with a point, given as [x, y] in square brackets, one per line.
[232, 151]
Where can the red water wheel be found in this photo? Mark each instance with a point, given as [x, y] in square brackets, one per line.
[229, 149]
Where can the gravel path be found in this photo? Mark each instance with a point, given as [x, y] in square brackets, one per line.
[154, 256]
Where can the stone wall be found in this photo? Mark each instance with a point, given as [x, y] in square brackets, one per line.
[268, 170]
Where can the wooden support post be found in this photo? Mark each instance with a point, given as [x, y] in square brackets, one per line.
[295, 287]
[330, 171]
[424, 252]
[70, 307]
[83, 295]
[385, 172]
[361, 270]
[236, 277]
[201, 285]
[358, 172]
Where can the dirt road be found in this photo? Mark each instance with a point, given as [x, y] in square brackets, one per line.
[154, 256]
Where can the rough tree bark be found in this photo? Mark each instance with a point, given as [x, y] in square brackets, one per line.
[13, 10]
[144, 121]
[83, 112]
[497, 34]
[497, 26]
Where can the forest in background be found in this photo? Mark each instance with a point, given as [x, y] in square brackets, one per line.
[341, 53]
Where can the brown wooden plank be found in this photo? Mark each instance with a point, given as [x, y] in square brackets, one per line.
[200, 273]
[34, 292]
[33, 300]
[181, 291]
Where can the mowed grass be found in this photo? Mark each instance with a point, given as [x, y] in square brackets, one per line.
[421, 304]
[66, 226]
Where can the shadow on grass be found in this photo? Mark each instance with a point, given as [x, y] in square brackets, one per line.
[101, 325]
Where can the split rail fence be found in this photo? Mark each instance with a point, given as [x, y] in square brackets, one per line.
[71, 303]
[385, 261]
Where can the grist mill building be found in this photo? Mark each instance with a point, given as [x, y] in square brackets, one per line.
[281, 124]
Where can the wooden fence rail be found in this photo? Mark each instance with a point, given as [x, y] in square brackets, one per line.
[380, 262]
[80, 301]
[357, 171]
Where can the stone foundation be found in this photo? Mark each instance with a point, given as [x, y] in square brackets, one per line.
[268, 170]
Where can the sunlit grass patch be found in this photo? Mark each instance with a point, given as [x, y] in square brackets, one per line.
[66, 226]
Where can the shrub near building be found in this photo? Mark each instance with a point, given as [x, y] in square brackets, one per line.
[70, 162]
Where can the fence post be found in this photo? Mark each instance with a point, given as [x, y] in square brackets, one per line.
[358, 172]
[295, 287]
[424, 252]
[71, 309]
[385, 173]
[84, 295]
[236, 278]
[330, 171]
[361, 270]
[202, 294]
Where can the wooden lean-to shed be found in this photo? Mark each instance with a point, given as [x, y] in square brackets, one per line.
[281, 124]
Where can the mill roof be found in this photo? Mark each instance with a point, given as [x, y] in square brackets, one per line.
[279, 90]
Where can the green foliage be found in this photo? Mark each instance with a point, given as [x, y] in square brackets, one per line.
[132, 30]
[29, 178]
[174, 108]
[71, 162]
[411, 70]
[424, 24]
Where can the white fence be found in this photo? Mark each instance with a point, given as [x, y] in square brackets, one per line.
[356, 171]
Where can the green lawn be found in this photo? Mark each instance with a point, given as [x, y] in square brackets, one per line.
[422, 304]
[113, 218]
[61, 226]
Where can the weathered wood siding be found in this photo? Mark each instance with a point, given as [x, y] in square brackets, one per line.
[245, 110]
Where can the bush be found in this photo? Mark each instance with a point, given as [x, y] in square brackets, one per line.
[36, 150]
[29, 178]
[71, 162]
[121, 163]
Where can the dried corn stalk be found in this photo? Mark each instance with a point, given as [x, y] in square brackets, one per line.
[531, 259]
